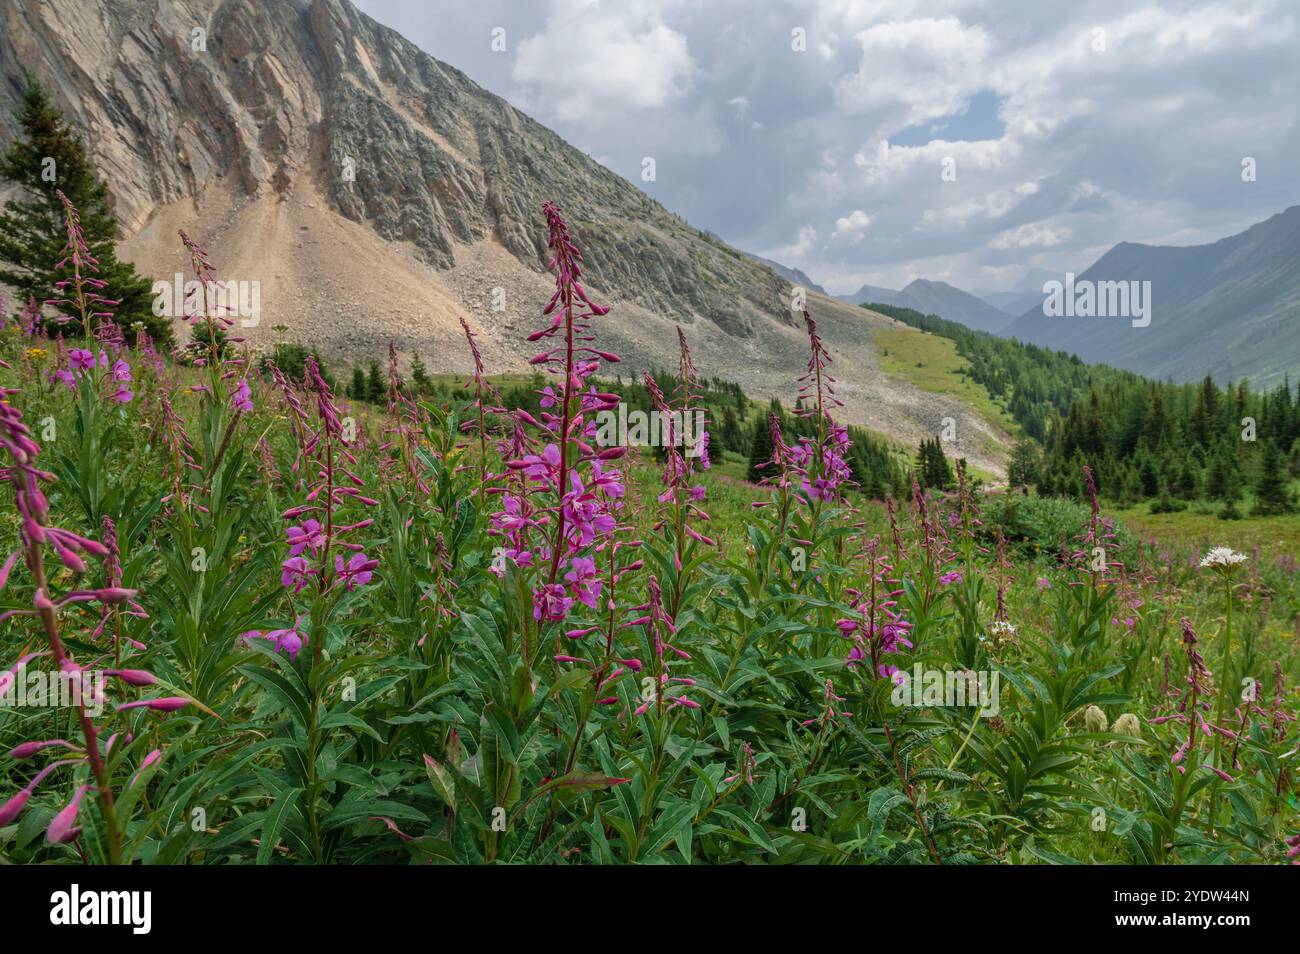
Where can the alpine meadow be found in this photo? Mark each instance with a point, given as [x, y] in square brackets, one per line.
[386, 481]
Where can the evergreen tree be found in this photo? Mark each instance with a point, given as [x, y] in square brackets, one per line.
[1219, 477]
[733, 438]
[1272, 493]
[419, 375]
[357, 389]
[760, 445]
[46, 158]
[376, 387]
[1148, 478]
[1023, 469]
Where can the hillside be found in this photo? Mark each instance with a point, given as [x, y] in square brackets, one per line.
[1227, 309]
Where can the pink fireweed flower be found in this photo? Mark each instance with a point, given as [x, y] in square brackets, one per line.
[242, 398]
[27, 749]
[64, 828]
[310, 535]
[163, 704]
[82, 289]
[133, 677]
[584, 580]
[288, 641]
[357, 571]
[295, 574]
[551, 602]
[878, 627]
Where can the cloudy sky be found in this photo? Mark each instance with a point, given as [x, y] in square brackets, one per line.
[819, 132]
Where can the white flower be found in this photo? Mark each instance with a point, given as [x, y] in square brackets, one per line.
[1222, 558]
[1002, 628]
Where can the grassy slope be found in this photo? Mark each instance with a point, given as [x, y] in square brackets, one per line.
[932, 364]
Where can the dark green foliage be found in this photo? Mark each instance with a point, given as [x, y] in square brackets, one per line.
[32, 229]
[1272, 495]
[932, 467]
[376, 388]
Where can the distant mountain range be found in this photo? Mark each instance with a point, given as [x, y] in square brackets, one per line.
[1230, 309]
[793, 275]
[937, 298]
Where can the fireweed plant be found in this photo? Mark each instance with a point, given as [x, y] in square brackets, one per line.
[455, 626]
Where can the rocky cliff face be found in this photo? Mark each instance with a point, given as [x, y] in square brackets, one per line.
[376, 193]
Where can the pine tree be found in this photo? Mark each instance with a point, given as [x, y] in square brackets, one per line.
[376, 387]
[49, 157]
[419, 375]
[760, 450]
[1272, 493]
[1220, 478]
[1023, 469]
[357, 389]
[1148, 478]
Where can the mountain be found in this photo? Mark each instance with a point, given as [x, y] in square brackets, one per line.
[942, 299]
[377, 194]
[936, 298]
[869, 293]
[1230, 309]
[1012, 302]
[793, 275]
[1025, 294]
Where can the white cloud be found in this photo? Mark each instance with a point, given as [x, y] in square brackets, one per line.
[851, 226]
[594, 57]
[915, 70]
[1031, 235]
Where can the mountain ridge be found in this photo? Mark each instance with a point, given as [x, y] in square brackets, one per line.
[939, 298]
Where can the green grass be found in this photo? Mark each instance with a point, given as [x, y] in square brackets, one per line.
[1194, 528]
[933, 364]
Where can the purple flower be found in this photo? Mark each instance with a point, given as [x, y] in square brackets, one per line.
[64, 828]
[282, 640]
[583, 580]
[357, 571]
[82, 360]
[551, 602]
[308, 536]
[295, 573]
[948, 578]
[242, 399]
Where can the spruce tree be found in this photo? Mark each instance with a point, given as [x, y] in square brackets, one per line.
[357, 389]
[419, 375]
[48, 157]
[1272, 493]
[760, 450]
[376, 388]
[1023, 469]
